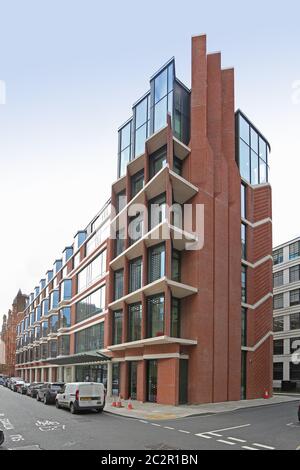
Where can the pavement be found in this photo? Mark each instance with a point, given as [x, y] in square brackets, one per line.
[31, 425]
[153, 411]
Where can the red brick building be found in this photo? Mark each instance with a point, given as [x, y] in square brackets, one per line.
[9, 332]
[171, 307]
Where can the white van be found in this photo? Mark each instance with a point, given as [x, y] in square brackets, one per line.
[81, 396]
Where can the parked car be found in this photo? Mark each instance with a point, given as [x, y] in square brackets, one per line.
[81, 396]
[17, 384]
[13, 381]
[23, 388]
[2, 379]
[48, 391]
[33, 389]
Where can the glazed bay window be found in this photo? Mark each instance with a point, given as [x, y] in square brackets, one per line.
[37, 333]
[91, 305]
[155, 316]
[176, 265]
[295, 273]
[137, 183]
[124, 148]
[38, 312]
[118, 284]
[278, 324]
[135, 229]
[90, 339]
[92, 272]
[278, 279]
[54, 299]
[120, 201]
[65, 317]
[295, 297]
[53, 324]
[294, 250]
[44, 353]
[162, 96]
[44, 329]
[295, 321]
[141, 125]
[45, 307]
[63, 345]
[278, 257]
[244, 284]
[66, 290]
[135, 322]
[135, 274]
[156, 262]
[52, 348]
[157, 211]
[175, 318]
[97, 239]
[278, 347]
[117, 327]
[157, 161]
[278, 301]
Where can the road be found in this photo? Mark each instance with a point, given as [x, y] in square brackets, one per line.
[29, 424]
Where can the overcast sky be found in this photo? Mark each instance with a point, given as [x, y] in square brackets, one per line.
[72, 71]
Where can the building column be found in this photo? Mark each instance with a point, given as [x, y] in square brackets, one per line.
[30, 375]
[60, 374]
[35, 374]
[50, 374]
[109, 379]
[42, 374]
[73, 374]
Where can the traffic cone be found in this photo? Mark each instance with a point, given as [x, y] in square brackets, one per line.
[114, 403]
[266, 395]
[130, 407]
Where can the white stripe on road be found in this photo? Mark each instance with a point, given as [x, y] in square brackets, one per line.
[226, 442]
[228, 429]
[145, 422]
[214, 434]
[158, 425]
[167, 427]
[237, 440]
[185, 432]
[248, 448]
[204, 436]
[263, 446]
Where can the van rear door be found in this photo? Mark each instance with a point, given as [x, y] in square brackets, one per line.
[91, 394]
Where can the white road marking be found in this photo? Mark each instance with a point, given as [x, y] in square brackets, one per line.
[185, 432]
[226, 442]
[204, 436]
[167, 427]
[263, 446]
[236, 440]
[157, 425]
[214, 434]
[248, 448]
[227, 429]
[145, 422]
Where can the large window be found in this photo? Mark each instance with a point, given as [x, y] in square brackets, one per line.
[52, 348]
[119, 284]
[294, 345]
[90, 339]
[157, 211]
[295, 297]
[156, 263]
[135, 229]
[163, 85]
[175, 318]
[117, 327]
[155, 316]
[176, 265]
[278, 347]
[91, 305]
[121, 201]
[278, 324]
[294, 250]
[142, 125]
[53, 324]
[278, 279]
[135, 275]
[135, 322]
[65, 317]
[124, 148]
[295, 321]
[64, 345]
[97, 239]
[137, 183]
[95, 270]
[120, 242]
[295, 273]
[294, 372]
[278, 257]
[278, 371]
[253, 153]
[278, 301]
[244, 241]
[54, 299]
[66, 290]
[158, 160]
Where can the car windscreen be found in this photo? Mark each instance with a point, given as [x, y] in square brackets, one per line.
[56, 386]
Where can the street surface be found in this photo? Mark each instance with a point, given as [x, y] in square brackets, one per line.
[29, 424]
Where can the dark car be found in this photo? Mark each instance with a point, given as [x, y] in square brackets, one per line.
[47, 392]
[23, 389]
[1, 437]
[33, 389]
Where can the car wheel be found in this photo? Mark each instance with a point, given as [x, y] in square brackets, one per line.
[99, 410]
[45, 400]
[57, 404]
[72, 409]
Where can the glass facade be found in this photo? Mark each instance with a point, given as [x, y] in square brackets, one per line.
[117, 327]
[118, 284]
[156, 262]
[175, 318]
[64, 345]
[135, 274]
[91, 305]
[155, 316]
[95, 270]
[65, 317]
[134, 322]
[253, 152]
[90, 339]
[167, 96]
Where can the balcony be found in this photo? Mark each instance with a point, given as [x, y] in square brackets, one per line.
[159, 340]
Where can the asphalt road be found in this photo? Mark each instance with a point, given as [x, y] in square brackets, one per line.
[32, 425]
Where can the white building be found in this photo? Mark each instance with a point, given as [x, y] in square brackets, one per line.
[286, 279]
